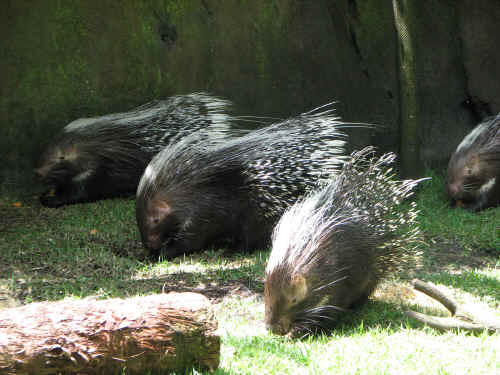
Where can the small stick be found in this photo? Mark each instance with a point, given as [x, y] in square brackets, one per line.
[460, 318]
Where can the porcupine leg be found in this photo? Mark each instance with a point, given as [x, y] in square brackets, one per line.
[171, 252]
[477, 205]
[253, 234]
[63, 195]
[186, 244]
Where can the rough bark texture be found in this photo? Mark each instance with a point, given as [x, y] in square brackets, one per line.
[404, 15]
[166, 332]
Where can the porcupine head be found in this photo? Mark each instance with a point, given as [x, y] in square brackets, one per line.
[157, 221]
[466, 175]
[62, 161]
[290, 300]
[331, 249]
[156, 214]
[474, 168]
[316, 275]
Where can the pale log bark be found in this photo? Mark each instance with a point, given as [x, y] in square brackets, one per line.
[165, 332]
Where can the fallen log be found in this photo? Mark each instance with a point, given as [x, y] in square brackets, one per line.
[165, 332]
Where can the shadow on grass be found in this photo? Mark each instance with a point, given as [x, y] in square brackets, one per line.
[208, 284]
[94, 249]
[443, 255]
[374, 314]
[471, 282]
[387, 312]
[449, 264]
[380, 316]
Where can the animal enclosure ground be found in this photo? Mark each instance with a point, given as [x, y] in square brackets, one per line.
[93, 250]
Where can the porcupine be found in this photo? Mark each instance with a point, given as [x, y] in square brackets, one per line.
[105, 156]
[190, 198]
[473, 180]
[332, 248]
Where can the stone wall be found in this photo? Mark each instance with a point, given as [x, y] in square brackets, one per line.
[62, 60]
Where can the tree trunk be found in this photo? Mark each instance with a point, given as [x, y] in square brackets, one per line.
[165, 332]
[404, 14]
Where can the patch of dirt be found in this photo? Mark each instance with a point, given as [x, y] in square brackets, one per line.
[452, 257]
[211, 287]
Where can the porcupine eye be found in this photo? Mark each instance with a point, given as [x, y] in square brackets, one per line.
[268, 311]
[292, 302]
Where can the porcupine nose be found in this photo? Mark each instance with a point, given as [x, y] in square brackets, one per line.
[454, 189]
[154, 242]
[278, 328]
[151, 245]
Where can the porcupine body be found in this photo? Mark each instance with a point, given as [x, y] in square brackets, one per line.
[473, 180]
[332, 248]
[190, 198]
[105, 156]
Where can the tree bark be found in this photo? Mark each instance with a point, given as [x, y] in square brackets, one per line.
[165, 332]
[404, 14]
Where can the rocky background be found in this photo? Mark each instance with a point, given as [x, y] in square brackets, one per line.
[61, 60]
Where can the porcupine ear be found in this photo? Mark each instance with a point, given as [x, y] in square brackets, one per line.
[475, 167]
[162, 208]
[70, 152]
[299, 287]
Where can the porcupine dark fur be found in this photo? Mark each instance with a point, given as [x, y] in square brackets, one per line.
[105, 156]
[332, 248]
[190, 198]
[473, 180]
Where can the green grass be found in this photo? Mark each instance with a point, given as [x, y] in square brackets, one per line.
[94, 250]
[469, 230]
